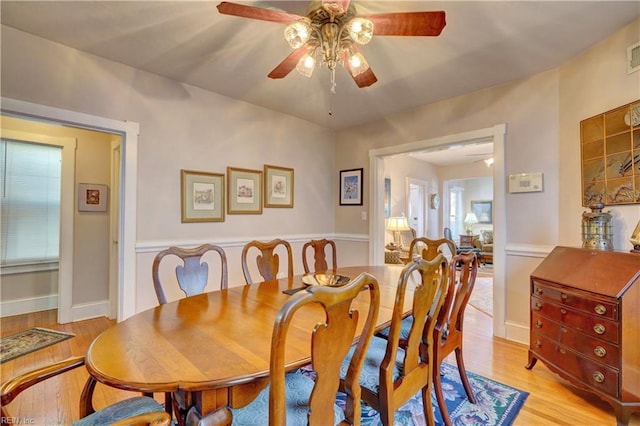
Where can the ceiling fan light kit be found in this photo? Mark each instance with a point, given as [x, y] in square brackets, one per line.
[331, 31]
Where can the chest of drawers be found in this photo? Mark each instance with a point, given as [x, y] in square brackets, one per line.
[585, 323]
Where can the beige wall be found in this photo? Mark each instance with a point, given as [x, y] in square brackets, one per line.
[591, 84]
[183, 127]
[91, 229]
[542, 114]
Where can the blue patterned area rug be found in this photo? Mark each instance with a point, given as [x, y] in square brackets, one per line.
[497, 404]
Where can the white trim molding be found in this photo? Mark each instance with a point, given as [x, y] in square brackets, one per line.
[25, 306]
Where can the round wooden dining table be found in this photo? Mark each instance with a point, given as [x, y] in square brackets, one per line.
[217, 344]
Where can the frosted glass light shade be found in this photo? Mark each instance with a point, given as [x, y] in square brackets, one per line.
[306, 65]
[360, 30]
[298, 33]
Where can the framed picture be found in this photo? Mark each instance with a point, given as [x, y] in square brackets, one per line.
[202, 196]
[387, 197]
[278, 186]
[244, 191]
[351, 187]
[483, 211]
[92, 197]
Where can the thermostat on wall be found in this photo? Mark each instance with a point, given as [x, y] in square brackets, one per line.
[525, 182]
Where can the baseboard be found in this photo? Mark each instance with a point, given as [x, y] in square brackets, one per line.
[25, 306]
[90, 310]
[517, 332]
[45, 303]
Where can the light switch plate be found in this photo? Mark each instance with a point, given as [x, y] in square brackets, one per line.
[525, 182]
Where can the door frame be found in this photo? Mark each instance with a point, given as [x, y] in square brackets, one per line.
[129, 132]
[496, 135]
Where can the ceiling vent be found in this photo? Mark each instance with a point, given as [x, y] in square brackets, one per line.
[633, 58]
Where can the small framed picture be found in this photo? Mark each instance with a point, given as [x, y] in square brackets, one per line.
[244, 191]
[278, 186]
[92, 197]
[202, 196]
[351, 187]
[483, 211]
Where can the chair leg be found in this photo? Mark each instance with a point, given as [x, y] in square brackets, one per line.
[437, 387]
[427, 405]
[463, 376]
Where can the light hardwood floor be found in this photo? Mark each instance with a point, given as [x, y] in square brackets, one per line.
[552, 401]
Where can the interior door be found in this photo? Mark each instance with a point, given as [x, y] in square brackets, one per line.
[416, 191]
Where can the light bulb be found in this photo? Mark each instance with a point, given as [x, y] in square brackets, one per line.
[298, 33]
[306, 65]
[357, 63]
[360, 30]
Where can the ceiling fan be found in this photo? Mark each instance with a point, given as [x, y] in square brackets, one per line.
[331, 31]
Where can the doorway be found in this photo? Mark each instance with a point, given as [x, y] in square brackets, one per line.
[126, 228]
[495, 135]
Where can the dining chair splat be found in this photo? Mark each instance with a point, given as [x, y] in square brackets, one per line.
[268, 261]
[319, 248]
[192, 276]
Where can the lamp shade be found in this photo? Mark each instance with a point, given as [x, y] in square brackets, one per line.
[471, 218]
[397, 224]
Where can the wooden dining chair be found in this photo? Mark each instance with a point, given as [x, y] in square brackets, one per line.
[267, 260]
[448, 335]
[393, 374]
[192, 274]
[138, 411]
[294, 398]
[319, 250]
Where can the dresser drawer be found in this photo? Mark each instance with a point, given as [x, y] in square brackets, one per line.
[591, 373]
[588, 346]
[588, 324]
[581, 302]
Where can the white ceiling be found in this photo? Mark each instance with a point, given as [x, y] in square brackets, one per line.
[485, 43]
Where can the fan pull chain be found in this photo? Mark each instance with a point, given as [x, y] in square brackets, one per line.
[333, 81]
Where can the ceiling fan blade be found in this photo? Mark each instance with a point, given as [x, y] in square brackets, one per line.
[289, 63]
[408, 23]
[244, 11]
[365, 79]
[343, 5]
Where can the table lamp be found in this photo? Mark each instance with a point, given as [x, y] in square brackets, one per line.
[397, 224]
[469, 221]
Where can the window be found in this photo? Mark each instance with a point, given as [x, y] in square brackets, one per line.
[30, 181]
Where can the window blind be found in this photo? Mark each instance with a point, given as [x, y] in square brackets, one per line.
[30, 185]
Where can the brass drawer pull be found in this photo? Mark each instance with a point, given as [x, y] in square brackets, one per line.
[538, 344]
[563, 329]
[538, 323]
[538, 306]
[538, 291]
[598, 377]
[600, 351]
[599, 329]
[563, 311]
[563, 351]
[563, 296]
[600, 309]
